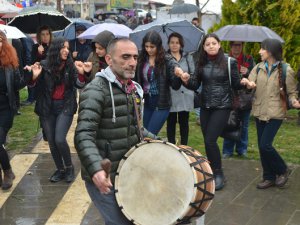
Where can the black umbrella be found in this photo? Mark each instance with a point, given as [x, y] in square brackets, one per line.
[31, 18]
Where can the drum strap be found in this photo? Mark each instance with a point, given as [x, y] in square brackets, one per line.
[137, 116]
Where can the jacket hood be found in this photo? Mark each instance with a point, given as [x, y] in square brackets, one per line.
[111, 77]
[103, 38]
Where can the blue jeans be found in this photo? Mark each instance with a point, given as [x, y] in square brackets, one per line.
[271, 161]
[154, 118]
[240, 146]
[107, 206]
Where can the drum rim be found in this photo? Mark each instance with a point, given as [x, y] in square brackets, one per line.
[195, 178]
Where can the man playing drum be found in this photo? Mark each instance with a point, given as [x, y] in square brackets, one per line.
[106, 127]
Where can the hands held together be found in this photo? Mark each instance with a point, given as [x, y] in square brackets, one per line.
[249, 84]
[183, 75]
[83, 67]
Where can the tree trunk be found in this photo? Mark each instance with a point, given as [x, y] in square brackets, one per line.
[58, 5]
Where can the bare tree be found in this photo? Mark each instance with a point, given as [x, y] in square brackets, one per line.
[200, 13]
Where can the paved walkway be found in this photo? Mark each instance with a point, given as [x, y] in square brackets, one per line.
[33, 200]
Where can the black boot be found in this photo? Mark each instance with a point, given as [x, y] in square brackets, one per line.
[58, 175]
[219, 179]
[8, 178]
[70, 174]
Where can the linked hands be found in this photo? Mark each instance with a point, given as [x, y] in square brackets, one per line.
[249, 84]
[83, 67]
[183, 75]
[36, 70]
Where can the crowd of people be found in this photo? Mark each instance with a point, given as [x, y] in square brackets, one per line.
[128, 95]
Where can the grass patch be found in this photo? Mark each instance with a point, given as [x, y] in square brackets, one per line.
[25, 128]
[286, 140]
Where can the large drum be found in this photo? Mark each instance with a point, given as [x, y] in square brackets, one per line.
[158, 183]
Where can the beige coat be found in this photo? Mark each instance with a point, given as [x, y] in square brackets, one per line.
[267, 103]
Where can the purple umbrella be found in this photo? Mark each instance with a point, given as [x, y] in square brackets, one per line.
[246, 33]
[119, 30]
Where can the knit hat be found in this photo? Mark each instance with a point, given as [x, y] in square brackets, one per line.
[103, 38]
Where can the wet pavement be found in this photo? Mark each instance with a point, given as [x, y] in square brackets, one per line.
[33, 200]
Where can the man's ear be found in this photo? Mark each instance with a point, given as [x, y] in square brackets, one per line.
[108, 59]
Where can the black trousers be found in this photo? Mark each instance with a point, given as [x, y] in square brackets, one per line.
[183, 120]
[213, 122]
[4, 159]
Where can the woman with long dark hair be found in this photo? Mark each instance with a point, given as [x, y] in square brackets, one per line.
[273, 80]
[156, 72]
[10, 82]
[56, 82]
[183, 98]
[216, 97]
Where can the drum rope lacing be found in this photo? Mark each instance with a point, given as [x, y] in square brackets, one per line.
[207, 196]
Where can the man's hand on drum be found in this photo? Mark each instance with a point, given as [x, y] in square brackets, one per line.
[102, 182]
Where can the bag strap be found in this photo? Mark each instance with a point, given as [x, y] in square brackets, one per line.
[229, 69]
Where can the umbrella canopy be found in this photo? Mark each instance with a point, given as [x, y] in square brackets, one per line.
[246, 33]
[6, 7]
[70, 31]
[31, 18]
[191, 35]
[119, 30]
[184, 8]
[12, 32]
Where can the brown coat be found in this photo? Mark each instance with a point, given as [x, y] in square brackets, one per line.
[267, 103]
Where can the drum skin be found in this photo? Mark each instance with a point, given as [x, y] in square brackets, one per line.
[158, 183]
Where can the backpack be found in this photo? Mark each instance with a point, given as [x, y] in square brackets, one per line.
[284, 69]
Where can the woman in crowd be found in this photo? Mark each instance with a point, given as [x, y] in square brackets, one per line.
[38, 52]
[156, 72]
[10, 82]
[96, 60]
[182, 99]
[245, 65]
[216, 97]
[56, 80]
[269, 109]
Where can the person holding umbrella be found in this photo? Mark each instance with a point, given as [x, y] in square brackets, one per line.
[269, 109]
[80, 48]
[156, 73]
[245, 65]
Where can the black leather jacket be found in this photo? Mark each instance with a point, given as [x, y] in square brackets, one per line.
[45, 85]
[14, 82]
[216, 91]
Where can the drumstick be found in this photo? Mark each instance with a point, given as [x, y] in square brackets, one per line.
[106, 166]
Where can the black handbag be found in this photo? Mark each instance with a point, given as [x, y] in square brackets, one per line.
[233, 127]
